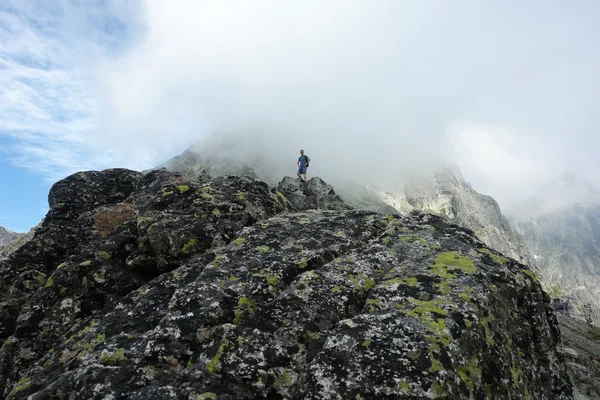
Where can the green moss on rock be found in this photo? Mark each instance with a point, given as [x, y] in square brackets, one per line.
[532, 274]
[497, 258]
[189, 246]
[284, 379]
[373, 304]
[263, 249]
[22, 384]
[313, 335]
[103, 254]
[469, 373]
[400, 281]
[245, 306]
[212, 365]
[485, 322]
[453, 259]
[114, 358]
[209, 197]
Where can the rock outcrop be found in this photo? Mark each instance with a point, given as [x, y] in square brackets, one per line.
[154, 286]
[314, 194]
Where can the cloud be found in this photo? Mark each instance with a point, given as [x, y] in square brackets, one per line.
[47, 106]
[507, 90]
[502, 157]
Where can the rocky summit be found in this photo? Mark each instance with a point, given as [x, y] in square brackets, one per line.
[160, 286]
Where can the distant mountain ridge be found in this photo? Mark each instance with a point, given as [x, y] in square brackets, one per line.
[7, 236]
[8, 241]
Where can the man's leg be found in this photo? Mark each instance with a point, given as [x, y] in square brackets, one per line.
[303, 171]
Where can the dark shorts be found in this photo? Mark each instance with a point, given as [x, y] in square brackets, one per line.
[302, 170]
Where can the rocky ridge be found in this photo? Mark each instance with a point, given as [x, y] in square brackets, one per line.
[441, 191]
[9, 241]
[158, 286]
[7, 236]
[444, 192]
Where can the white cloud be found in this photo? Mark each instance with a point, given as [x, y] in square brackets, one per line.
[47, 107]
[503, 158]
[388, 82]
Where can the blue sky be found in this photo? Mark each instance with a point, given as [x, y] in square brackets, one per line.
[46, 106]
[507, 89]
[25, 197]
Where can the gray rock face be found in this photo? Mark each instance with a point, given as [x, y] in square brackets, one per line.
[581, 347]
[445, 194]
[108, 233]
[7, 236]
[9, 240]
[154, 286]
[566, 245]
[314, 194]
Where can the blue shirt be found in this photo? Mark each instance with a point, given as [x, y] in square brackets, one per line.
[303, 160]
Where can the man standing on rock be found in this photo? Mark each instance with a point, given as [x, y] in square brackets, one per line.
[303, 163]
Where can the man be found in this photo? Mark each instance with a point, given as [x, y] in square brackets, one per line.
[303, 163]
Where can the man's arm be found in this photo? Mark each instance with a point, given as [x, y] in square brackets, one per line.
[308, 160]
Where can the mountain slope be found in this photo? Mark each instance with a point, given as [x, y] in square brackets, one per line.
[443, 192]
[156, 286]
[7, 236]
[566, 245]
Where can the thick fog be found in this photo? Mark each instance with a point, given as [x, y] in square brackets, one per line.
[507, 90]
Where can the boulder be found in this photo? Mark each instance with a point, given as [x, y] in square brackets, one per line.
[314, 194]
[108, 233]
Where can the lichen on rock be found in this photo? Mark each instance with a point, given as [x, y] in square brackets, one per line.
[274, 296]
